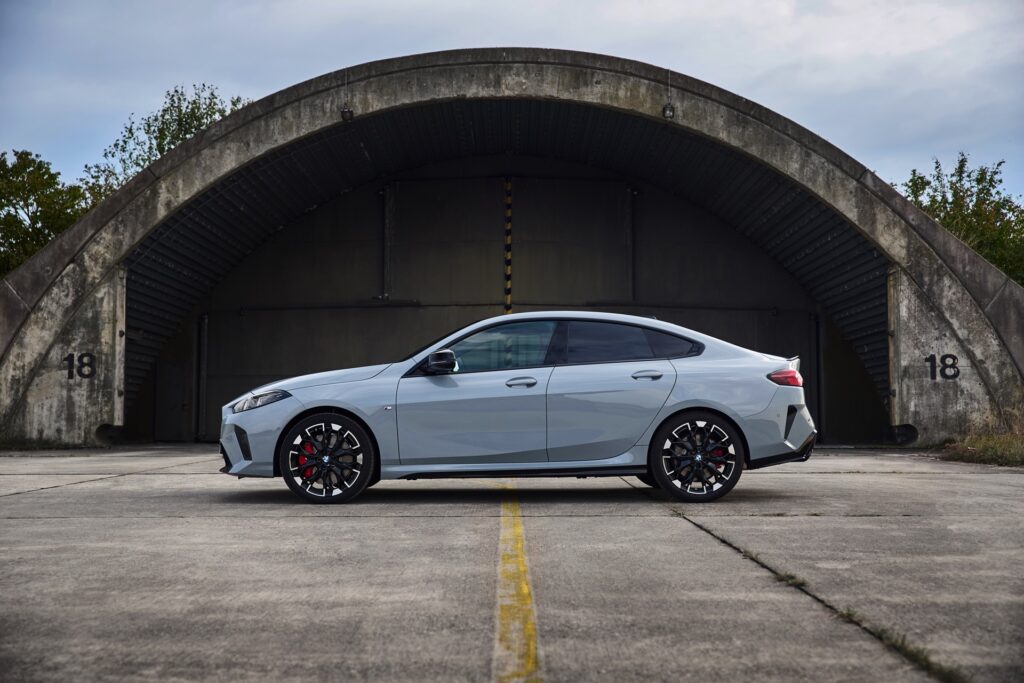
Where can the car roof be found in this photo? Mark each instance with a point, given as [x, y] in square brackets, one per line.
[643, 321]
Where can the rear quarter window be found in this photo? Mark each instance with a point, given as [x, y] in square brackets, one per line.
[666, 345]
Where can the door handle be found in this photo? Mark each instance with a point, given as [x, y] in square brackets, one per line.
[521, 382]
[647, 374]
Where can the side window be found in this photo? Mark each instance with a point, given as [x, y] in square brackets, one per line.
[505, 347]
[667, 345]
[593, 342]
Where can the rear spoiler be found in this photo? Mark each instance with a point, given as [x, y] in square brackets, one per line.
[794, 362]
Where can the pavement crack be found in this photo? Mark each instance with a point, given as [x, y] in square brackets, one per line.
[891, 639]
[59, 486]
[112, 476]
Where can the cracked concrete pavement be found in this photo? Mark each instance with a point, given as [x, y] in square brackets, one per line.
[145, 563]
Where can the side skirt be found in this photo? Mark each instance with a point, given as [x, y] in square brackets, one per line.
[579, 473]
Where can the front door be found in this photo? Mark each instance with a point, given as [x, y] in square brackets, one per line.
[492, 408]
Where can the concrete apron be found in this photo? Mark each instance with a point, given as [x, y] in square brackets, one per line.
[143, 562]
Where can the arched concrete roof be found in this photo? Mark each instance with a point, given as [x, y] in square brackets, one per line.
[430, 102]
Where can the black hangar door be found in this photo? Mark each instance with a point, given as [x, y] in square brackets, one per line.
[384, 269]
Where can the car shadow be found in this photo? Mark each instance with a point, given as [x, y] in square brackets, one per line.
[493, 495]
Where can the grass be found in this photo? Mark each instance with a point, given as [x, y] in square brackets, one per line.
[913, 653]
[790, 580]
[990, 449]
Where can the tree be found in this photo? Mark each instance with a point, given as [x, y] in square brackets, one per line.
[35, 206]
[972, 204]
[143, 142]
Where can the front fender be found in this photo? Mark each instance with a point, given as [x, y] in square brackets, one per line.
[372, 401]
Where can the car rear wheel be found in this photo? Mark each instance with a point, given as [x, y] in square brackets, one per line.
[696, 457]
[327, 458]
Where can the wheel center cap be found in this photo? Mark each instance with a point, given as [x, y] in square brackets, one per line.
[326, 458]
[699, 457]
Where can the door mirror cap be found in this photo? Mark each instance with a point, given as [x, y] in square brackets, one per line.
[441, 362]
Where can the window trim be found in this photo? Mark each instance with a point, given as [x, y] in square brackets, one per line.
[560, 334]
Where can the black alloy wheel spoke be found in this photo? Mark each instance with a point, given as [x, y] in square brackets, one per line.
[717, 474]
[312, 475]
[683, 464]
[718, 441]
[680, 443]
[704, 480]
[688, 481]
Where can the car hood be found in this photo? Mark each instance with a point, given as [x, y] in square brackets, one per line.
[330, 377]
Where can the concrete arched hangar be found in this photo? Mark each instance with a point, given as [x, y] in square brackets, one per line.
[350, 218]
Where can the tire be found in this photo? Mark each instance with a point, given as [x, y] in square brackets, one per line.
[697, 456]
[335, 470]
[648, 479]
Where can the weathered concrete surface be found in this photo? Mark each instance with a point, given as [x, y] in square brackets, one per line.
[154, 566]
[931, 398]
[66, 405]
[38, 300]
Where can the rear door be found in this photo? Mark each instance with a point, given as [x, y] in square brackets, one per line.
[606, 391]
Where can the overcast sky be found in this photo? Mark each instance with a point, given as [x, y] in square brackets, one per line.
[892, 83]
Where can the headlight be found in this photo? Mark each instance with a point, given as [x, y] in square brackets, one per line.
[259, 400]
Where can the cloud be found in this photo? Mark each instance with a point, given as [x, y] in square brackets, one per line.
[891, 83]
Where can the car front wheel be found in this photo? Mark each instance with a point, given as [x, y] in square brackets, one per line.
[696, 457]
[327, 458]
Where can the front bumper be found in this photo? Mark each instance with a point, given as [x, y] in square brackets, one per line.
[801, 454]
[248, 440]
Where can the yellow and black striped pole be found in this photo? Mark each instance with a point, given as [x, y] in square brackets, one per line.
[508, 245]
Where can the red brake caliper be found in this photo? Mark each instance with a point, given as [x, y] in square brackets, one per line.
[718, 453]
[308, 449]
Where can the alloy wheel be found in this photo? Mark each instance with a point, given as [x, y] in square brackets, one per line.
[699, 458]
[325, 459]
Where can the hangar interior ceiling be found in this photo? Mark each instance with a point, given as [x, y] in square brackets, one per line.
[172, 273]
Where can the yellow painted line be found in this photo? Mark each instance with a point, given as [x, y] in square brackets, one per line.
[515, 633]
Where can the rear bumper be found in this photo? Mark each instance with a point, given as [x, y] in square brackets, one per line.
[801, 454]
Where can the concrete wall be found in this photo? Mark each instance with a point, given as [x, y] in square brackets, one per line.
[78, 390]
[936, 384]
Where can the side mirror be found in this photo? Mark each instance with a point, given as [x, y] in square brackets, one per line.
[441, 362]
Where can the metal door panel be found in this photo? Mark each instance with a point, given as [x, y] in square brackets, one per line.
[599, 411]
[494, 416]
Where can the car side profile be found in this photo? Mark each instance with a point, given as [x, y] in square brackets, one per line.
[531, 394]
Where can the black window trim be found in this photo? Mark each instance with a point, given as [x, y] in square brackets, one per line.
[561, 334]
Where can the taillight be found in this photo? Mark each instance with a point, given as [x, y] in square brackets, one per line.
[787, 378]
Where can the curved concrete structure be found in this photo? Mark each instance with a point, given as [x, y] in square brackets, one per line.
[62, 313]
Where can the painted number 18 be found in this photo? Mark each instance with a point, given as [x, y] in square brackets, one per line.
[85, 366]
[946, 366]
